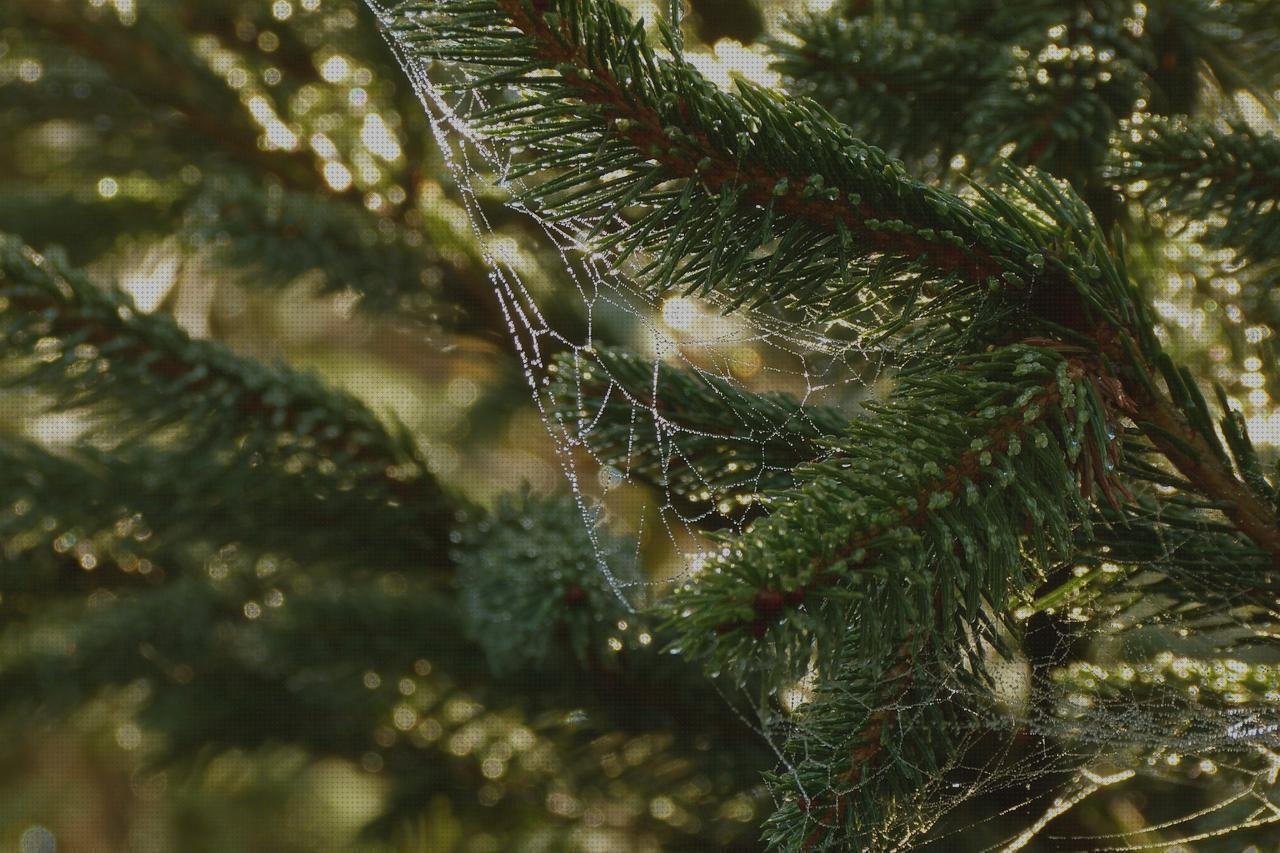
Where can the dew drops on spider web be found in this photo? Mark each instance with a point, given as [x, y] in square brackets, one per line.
[610, 478]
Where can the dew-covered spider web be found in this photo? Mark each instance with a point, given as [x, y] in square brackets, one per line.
[1124, 722]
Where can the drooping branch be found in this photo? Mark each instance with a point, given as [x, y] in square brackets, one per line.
[696, 155]
[213, 121]
[1196, 170]
[156, 375]
[1197, 456]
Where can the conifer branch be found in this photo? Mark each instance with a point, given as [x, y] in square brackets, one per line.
[872, 538]
[85, 344]
[1198, 456]
[271, 236]
[888, 555]
[902, 85]
[1058, 105]
[161, 68]
[132, 516]
[295, 205]
[858, 238]
[1229, 176]
[1179, 538]
[305, 663]
[897, 514]
[859, 733]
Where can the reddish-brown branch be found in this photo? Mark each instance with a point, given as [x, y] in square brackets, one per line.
[869, 753]
[769, 603]
[689, 159]
[1251, 514]
[1185, 447]
[695, 157]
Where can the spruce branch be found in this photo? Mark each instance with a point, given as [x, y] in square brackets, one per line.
[1237, 42]
[271, 235]
[1216, 684]
[159, 65]
[533, 556]
[1181, 427]
[900, 84]
[858, 548]
[1180, 706]
[88, 345]
[866, 751]
[1058, 109]
[132, 516]
[896, 546]
[1229, 176]
[123, 72]
[1040, 82]
[305, 664]
[930, 497]
[871, 749]
[1178, 537]
[856, 237]
[586, 634]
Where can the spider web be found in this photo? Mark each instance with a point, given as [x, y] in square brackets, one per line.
[1192, 736]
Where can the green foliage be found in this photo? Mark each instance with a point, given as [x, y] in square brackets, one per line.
[1228, 176]
[1042, 83]
[1235, 42]
[806, 216]
[149, 513]
[901, 85]
[867, 761]
[1073, 75]
[271, 237]
[134, 560]
[243, 556]
[917, 519]
[536, 583]
[898, 559]
[86, 345]
[260, 559]
[136, 99]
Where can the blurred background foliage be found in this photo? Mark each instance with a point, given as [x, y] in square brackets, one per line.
[260, 171]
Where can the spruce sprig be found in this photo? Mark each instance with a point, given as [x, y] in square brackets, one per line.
[271, 235]
[805, 216]
[899, 84]
[134, 516]
[85, 345]
[919, 518]
[868, 755]
[1198, 171]
[888, 565]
